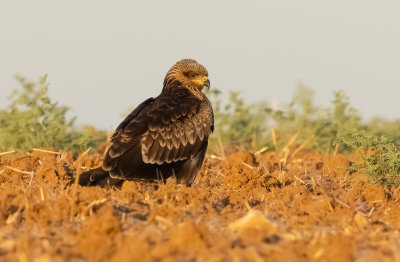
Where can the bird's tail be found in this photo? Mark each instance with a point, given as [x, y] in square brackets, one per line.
[98, 177]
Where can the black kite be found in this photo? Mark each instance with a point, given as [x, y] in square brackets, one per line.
[164, 136]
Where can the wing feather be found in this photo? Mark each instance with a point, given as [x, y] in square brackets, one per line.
[161, 130]
[126, 136]
[179, 138]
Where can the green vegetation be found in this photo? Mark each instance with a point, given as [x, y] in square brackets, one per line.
[323, 126]
[33, 120]
[238, 123]
[380, 157]
[249, 126]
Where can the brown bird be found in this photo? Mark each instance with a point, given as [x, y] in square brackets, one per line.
[164, 136]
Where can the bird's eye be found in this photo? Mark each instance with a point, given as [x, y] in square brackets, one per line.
[192, 75]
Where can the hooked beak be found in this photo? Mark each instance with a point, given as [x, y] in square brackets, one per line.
[206, 83]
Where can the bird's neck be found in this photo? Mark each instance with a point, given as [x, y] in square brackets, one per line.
[170, 84]
[176, 89]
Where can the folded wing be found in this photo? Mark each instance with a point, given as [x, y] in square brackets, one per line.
[159, 131]
[177, 139]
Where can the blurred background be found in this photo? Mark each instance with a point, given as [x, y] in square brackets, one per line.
[104, 57]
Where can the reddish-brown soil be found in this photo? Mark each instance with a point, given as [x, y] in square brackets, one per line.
[244, 207]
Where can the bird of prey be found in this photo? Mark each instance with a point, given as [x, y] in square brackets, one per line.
[164, 136]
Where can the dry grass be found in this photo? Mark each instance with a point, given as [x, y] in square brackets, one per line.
[245, 207]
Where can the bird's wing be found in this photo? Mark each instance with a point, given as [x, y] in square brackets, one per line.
[179, 134]
[127, 135]
[162, 130]
[130, 117]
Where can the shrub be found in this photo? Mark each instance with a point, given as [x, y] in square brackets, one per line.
[248, 125]
[33, 120]
[323, 126]
[335, 122]
[380, 158]
[237, 123]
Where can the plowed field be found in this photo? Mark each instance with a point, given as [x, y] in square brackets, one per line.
[244, 207]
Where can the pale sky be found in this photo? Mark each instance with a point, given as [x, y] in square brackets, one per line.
[103, 57]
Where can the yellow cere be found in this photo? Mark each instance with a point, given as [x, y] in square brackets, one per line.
[200, 81]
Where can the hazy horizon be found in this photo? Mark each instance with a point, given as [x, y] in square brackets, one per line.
[104, 57]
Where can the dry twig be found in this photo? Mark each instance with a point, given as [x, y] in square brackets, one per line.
[30, 173]
[303, 145]
[6, 153]
[273, 138]
[46, 151]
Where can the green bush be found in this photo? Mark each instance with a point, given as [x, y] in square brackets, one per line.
[238, 124]
[380, 157]
[33, 120]
[379, 127]
[248, 125]
[323, 125]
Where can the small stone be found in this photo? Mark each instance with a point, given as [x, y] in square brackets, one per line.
[255, 220]
[360, 220]
[43, 258]
[7, 245]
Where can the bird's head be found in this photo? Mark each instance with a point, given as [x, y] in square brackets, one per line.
[189, 74]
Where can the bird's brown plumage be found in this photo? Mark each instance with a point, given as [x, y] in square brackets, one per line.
[164, 136]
